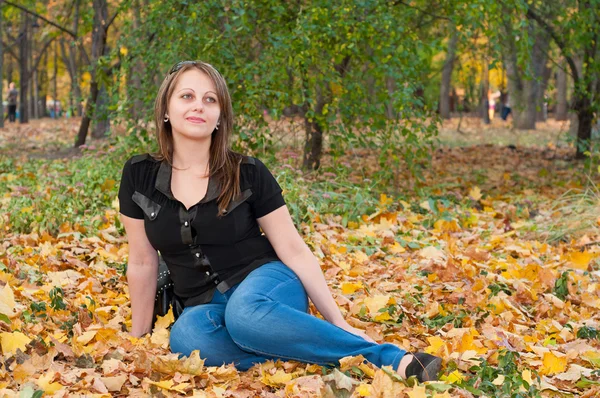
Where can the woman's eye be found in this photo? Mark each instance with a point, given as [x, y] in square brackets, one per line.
[212, 100]
[186, 96]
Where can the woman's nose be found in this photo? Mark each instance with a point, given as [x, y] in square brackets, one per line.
[199, 105]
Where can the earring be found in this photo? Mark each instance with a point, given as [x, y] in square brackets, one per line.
[216, 128]
[166, 118]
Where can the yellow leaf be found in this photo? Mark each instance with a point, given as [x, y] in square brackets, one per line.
[436, 345]
[580, 260]
[396, 248]
[277, 379]
[44, 382]
[499, 380]
[553, 363]
[349, 288]
[526, 375]
[7, 301]
[86, 337]
[164, 322]
[475, 193]
[364, 390]
[11, 341]
[443, 395]
[383, 316]
[375, 303]
[417, 392]
[160, 337]
[454, 377]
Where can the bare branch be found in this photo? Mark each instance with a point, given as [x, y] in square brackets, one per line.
[10, 3]
[8, 49]
[111, 20]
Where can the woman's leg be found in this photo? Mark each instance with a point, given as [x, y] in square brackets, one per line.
[267, 314]
[202, 327]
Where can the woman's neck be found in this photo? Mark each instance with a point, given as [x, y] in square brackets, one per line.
[191, 154]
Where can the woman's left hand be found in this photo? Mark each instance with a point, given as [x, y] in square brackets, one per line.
[361, 333]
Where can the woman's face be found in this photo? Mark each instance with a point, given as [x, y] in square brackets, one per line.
[193, 108]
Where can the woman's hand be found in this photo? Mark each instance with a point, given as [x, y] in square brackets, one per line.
[361, 333]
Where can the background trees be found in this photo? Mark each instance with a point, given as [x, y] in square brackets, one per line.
[353, 73]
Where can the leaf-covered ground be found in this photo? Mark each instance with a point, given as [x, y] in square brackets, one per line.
[491, 262]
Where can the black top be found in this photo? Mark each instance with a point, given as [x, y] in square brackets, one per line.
[202, 251]
[12, 96]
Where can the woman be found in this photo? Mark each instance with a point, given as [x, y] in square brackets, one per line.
[201, 205]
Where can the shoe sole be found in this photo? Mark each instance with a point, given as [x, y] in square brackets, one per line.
[432, 369]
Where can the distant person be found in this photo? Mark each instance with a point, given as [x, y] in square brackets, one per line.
[506, 110]
[203, 207]
[13, 93]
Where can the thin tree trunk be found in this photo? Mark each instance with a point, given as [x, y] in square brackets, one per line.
[390, 85]
[137, 71]
[314, 135]
[483, 94]
[543, 73]
[98, 44]
[585, 117]
[447, 74]
[23, 54]
[561, 93]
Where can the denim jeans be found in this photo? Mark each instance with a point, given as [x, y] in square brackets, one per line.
[265, 317]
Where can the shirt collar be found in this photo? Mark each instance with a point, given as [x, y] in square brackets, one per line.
[163, 184]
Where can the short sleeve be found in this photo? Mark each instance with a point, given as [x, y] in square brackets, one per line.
[127, 206]
[267, 190]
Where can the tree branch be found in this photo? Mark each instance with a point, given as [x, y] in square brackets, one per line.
[421, 10]
[39, 57]
[559, 42]
[111, 20]
[11, 52]
[10, 3]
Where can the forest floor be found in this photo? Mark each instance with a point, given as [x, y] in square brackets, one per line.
[491, 260]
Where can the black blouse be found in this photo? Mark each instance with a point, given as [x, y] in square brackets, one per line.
[202, 251]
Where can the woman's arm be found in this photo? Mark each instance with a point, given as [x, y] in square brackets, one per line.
[293, 252]
[142, 274]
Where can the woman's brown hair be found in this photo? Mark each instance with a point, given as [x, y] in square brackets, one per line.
[224, 164]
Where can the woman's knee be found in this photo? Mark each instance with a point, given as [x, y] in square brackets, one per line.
[193, 329]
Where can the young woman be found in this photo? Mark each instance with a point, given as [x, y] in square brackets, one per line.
[203, 207]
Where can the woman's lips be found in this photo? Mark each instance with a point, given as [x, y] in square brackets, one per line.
[195, 120]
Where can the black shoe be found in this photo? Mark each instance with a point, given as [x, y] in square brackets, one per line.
[425, 366]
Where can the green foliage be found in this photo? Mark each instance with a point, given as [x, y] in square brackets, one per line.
[513, 386]
[57, 299]
[319, 58]
[561, 286]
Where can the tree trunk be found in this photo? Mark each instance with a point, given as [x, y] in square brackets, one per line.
[483, 94]
[390, 85]
[585, 117]
[23, 54]
[447, 74]
[543, 73]
[137, 71]
[43, 86]
[313, 146]
[561, 93]
[98, 44]
[101, 120]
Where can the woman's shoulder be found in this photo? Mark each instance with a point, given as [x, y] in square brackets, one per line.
[141, 159]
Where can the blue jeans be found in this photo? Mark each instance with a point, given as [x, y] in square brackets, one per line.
[265, 317]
